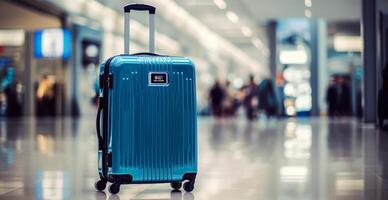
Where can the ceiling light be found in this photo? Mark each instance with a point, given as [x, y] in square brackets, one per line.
[259, 45]
[344, 43]
[308, 3]
[257, 42]
[265, 51]
[293, 172]
[220, 4]
[246, 31]
[307, 13]
[293, 57]
[12, 37]
[232, 16]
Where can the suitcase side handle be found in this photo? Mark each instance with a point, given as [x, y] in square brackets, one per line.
[140, 7]
[98, 126]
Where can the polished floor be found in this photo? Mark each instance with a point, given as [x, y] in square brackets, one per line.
[266, 159]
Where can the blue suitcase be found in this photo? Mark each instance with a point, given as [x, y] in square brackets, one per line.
[147, 117]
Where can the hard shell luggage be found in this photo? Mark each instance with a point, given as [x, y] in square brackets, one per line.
[147, 117]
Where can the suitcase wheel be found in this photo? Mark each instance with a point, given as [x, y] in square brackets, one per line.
[100, 185]
[176, 185]
[114, 188]
[188, 186]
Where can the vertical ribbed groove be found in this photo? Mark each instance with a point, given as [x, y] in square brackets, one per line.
[159, 167]
[132, 127]
[151, 121]
[159, 151]
[168, 131]
[183, 132]
[192, 120]
[144, 129]
[188, 133]
[172, 117]
[120, 116]
[179, 160]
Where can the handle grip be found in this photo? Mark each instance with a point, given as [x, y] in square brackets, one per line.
[139, 7]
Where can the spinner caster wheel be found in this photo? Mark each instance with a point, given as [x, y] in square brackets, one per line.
[176, 185]
[188, 186]
[100, 185]
[114, 188]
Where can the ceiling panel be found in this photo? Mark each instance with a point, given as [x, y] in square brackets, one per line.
[254, 14]
[262, 10]
[214, 18]
[14, 16]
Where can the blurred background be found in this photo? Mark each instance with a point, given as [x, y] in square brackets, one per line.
[50, 53]
[292, 92]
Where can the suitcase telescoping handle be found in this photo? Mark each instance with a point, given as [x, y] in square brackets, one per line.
[140, 7]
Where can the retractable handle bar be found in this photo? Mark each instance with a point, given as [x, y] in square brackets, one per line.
[139, 7]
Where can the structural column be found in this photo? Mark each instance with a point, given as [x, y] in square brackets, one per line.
[369, 59]
[29, 74]
[323, 74]
[319, 75]
[271, 34]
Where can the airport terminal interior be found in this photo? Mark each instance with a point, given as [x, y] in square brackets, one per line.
[291, 97]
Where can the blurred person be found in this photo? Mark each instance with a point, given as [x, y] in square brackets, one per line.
[383, 101]
[250, 100]
[331, 98]
[13, 95]
[344, 97]
[267, 98]
[11, 89]
[7, 76]
[280, 82]
[45, 95]
[216, 98]
[231, 103]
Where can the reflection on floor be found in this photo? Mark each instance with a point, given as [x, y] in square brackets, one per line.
[274, 159]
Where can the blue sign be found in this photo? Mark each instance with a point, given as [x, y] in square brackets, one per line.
[52, 43]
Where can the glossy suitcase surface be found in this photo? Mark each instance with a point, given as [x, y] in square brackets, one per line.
[152, 126]
[149, 130]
